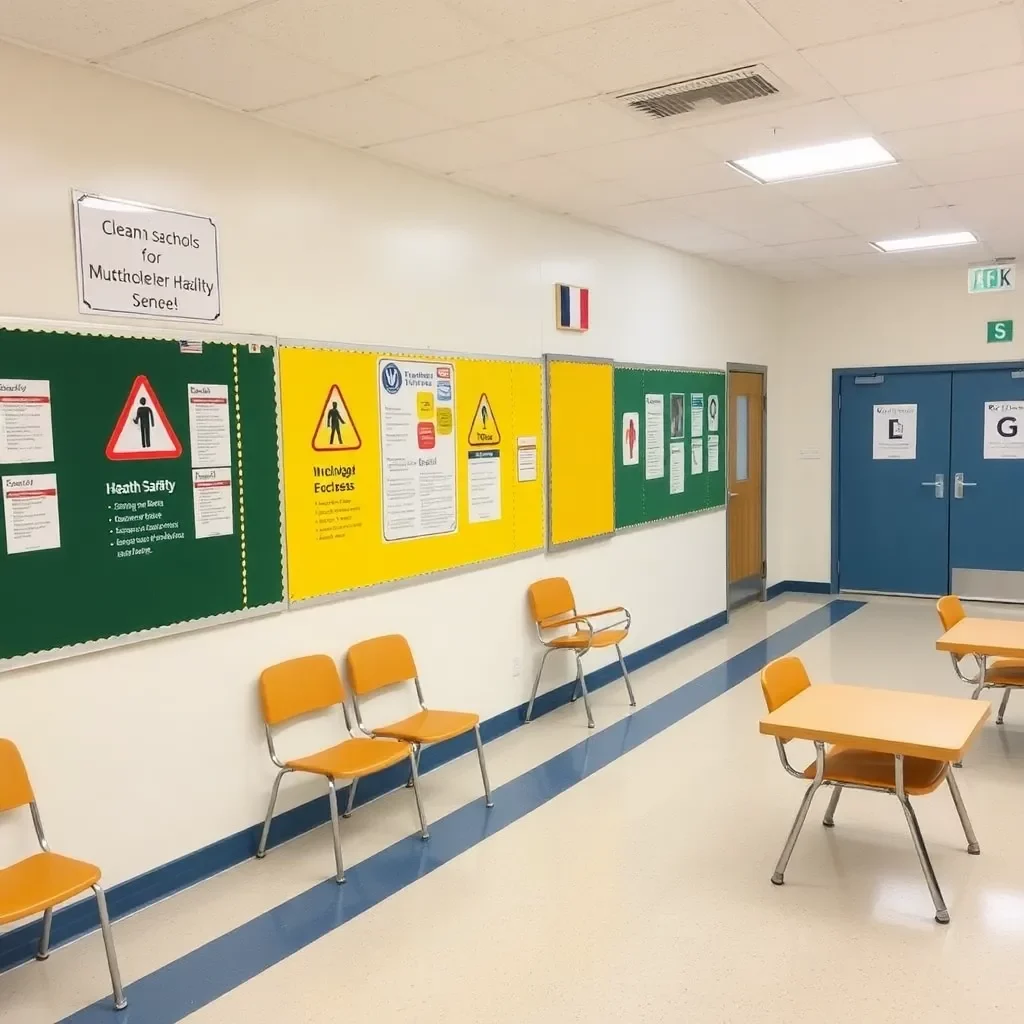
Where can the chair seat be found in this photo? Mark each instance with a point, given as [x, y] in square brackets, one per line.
[867, 768]
[430, 726]
[42, 881]
[353, 758]
[603, 638]
[1005, 671]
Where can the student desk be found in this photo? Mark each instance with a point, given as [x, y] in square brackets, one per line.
[1002, 639]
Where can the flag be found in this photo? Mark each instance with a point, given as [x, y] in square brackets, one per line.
[572, 307]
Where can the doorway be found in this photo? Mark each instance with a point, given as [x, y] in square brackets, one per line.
[745, 508]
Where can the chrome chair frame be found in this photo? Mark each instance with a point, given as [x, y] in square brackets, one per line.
[580, 684]
[819, 780]
[980, 683]
[43, 951]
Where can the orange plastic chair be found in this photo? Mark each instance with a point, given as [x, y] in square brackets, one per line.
[42, 881]
[841, 768]
[1006, 674]
[553, 607]
[306, 685]
[387, 661]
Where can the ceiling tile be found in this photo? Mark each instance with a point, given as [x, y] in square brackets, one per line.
[864, 264]
[367, 37]
[1002, 195]
[980, 133]
[810, 22]
[213, 61]
[891, 214]
[888, 178]
[456, 149]
[666, 182]
[547, 179]
[679, 39]
[667, 223]
[922, 53]
[970, 166]
[525, 19]
[672, 150]
[848, 246]
[96, 28]
[363, 115]
[798, 270]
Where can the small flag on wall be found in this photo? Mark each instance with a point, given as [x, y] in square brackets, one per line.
[572, 307]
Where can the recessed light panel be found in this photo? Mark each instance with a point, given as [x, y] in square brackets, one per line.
[809, 162]
[926, 242]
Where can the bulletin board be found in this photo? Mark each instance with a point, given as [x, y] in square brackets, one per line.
[140, 485]
[401, 464]
[581, 478]
[670, 448]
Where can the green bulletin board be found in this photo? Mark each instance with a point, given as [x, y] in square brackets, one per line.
[117, 519]
[670, 448]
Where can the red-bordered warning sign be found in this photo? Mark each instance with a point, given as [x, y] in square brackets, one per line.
[143, 430]
[336, 430]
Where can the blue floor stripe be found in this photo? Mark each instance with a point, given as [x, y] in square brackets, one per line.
[203, 975]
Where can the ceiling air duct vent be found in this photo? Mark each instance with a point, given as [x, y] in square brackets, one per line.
[703, 94]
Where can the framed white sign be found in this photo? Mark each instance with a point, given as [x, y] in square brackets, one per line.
[894, 432]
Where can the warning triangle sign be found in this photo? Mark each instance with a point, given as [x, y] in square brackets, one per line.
[143, 430]
[336, 430]
[484, 428]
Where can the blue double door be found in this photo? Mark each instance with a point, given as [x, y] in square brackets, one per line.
[931, 483]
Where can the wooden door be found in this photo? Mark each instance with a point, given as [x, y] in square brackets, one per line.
[746, 475]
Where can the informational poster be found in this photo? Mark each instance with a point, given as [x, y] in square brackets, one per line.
[713, 407]
[31, 515]
[143, 431]
[696, 456]
[654, 436]
[526, 459]
[26, 429]
[677, 467]
[894, 432]
[212, 502]
[712, 450]
[209, 425]
[416, 403]
[484, 429]
[1004, 430]
[484, 485]
[677, 416]
[696, 415]
[631, 439]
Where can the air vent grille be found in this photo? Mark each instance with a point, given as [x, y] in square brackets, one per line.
[736, 86]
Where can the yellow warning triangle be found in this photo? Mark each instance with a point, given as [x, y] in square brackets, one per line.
[484, 428]
[336, 430]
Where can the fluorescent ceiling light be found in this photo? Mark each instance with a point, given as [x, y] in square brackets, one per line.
[926, 242]
[831, 158]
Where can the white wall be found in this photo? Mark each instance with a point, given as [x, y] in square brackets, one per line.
[910, 317]
[145, 753]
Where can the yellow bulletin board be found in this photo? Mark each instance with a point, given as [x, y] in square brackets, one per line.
[400, 464]
[581, 449]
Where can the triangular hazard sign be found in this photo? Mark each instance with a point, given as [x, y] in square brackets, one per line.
[336, 431]
[484, 428]
[143, 430]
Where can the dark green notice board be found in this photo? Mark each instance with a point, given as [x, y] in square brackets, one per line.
[118, 519]
[670, 449]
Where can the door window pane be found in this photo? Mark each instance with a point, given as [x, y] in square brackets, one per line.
[742, 455]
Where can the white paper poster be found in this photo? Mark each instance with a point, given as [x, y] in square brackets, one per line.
[676, 416]
[26, 430]
[677, 467]
[631, 439]
[1004, 430]
[654, 436]
[485, 486]
[894, 432]
[213, 502]
[417, 437]
[696, 456]
[712, 452]
[526, 459]
[712, 415]
[209, 424]
[696, 415]
[31, 516]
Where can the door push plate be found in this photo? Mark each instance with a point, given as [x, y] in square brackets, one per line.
[939, 483]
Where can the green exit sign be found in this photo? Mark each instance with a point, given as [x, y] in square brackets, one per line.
[1000, 330]
[1001, 277]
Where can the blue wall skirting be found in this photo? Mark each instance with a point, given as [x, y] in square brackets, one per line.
[798, 587]
[20, 944]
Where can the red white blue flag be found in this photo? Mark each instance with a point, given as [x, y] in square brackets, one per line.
[572, 307]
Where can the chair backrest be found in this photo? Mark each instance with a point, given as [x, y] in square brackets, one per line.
[379, 662]
[298, 687]
[950, 610]
[15, 789]
[550, 598]
[782, 680]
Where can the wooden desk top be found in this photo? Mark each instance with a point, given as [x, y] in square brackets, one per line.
[1002, 638]
[887, 721]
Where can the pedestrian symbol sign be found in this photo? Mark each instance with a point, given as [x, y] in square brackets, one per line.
[143, 430]
[336, 430]
[484, 428]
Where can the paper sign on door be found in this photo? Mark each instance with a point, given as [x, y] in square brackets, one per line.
[894, 432]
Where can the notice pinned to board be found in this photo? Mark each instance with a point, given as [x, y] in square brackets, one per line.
[696, 415]
[631, 439]
[26, 427]
[894, 432]
[31, 516]
[713, 453]
[696, 456]
[677, 467]
[1004, 430]
[654, 436]
[526, 459]
[484, 486]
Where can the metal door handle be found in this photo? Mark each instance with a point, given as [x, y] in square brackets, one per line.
[959, 483]
[939, 483]
[734, 494]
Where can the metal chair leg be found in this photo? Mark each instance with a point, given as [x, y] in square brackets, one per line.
[536, 684]
[1002, 706]
[801, 815]
[261, 850]
[108, 944]
[941, 913]
[416, 749]
[43, 952]
[352, 787]
[483, 766]
[625, 675]
[414, 771]
[961, 810]
[829, 819]
[583, 686]
[332, 799]
[575, 694]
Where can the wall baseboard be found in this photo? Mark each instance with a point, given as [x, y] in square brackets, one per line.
[798, 587]
[19, 945]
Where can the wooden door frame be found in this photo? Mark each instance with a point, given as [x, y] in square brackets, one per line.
[763, 371]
